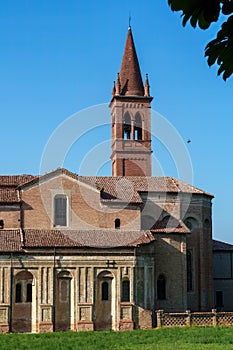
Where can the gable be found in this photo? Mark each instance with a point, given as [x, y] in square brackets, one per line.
[61, 174]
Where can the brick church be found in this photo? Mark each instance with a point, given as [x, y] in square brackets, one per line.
[96, 253]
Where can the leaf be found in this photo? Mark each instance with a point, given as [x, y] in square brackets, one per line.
[227, 7]
[202, 22]
[220, 50]
[201, 12]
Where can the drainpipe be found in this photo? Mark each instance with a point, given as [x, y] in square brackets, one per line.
[11, 295]
[21, 220]
[54, 288]
[21, 210]
[135, 297]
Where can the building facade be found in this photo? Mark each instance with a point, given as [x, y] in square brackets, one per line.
[223, 275]
[96, 253]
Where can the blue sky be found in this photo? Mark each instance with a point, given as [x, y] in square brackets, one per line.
[60, 57]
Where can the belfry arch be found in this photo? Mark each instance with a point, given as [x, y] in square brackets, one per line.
[127, 127]
[138, 127]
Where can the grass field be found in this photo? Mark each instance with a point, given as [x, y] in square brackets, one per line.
[160, 339]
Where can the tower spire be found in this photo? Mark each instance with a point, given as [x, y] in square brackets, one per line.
[131, 117]
[130, 74]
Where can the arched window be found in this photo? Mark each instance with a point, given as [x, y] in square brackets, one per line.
[189, 259]
[117, 224]
[161, 287]
[60, 210]
[125, 291]
[191, 223]
[104, 291]
[18, 293]
[29, 293]
[138, 127]
[23, 287]
[188, 224]
[127, 127]
[64, 278]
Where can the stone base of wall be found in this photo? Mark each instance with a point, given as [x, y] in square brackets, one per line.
[126, 325]
[21, 326]
[144, 318]
[85, 326]
[45, 327]
[4, 328]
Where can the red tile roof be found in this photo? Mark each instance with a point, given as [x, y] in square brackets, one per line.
[127, 188]
[10, 241]
[48, 238]
[86, 238]
[8, 187]
[169, 225]
[221, 246]
[14, 180]
[119, 188]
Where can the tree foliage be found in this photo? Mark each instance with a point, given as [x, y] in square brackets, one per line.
[202, 13]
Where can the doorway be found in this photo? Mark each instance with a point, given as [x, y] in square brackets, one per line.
[104, 312]
[63, 304]
[22, 302]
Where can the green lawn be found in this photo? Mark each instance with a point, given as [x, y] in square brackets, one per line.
[159, 339]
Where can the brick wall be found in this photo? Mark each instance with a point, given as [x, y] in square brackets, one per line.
[10, 216]
[200, 243]
[170, 255]
[85, 209]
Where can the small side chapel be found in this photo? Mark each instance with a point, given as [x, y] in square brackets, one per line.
[97, 253]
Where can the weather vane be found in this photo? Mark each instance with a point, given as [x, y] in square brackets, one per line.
[129, 20]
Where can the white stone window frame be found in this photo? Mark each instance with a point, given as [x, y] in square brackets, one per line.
[67, 194]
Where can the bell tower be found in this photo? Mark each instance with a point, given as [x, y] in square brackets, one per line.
[131, 117]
